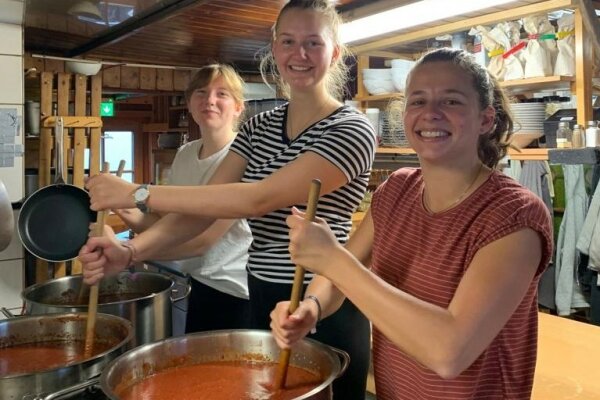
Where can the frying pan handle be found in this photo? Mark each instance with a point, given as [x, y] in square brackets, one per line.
[344, 358]
[71, 389]
[59, 151]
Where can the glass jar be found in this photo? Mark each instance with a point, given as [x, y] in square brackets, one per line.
[564, 136]
[578, 136]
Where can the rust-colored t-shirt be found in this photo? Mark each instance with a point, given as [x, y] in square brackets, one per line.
[426, 256]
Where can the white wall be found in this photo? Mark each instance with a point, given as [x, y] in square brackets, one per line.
[11, 98]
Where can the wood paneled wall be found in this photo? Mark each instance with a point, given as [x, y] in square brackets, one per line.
[124, 77]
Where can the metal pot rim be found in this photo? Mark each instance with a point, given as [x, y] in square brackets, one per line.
[30, 289]
[334, 353]
[89, 361]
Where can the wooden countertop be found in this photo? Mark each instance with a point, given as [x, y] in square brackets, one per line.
[568, 357]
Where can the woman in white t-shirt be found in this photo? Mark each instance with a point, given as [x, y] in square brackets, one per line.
[216, 259]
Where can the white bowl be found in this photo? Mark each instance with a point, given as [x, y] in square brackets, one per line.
[399, 79]
[83, 67]
[399, 63]
[377, 73]
[379, 86]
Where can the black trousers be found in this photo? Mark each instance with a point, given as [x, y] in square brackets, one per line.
[347, 329]
[210, 309]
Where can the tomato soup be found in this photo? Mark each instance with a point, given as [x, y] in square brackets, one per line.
[35, 357]
[227, 380]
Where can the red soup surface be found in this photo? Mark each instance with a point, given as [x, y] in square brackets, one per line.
[34, 357]
[235, 380]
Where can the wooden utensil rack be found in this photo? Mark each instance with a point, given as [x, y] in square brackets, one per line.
[58, 90]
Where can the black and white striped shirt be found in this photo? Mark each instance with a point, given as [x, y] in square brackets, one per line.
[345, 138]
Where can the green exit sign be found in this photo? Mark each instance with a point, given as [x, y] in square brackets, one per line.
[107, 109]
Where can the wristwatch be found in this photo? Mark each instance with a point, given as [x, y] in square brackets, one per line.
[140, 196]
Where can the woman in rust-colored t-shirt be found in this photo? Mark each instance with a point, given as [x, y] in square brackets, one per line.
[455, 251]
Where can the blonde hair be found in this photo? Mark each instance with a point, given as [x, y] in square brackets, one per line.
[208, 73]
[337, 76]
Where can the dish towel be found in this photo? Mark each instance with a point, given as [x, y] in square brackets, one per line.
[568, 293]
[536, 176]
[589, 239]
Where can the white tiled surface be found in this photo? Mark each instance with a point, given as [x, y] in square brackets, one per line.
[12, 11]
[13, 177]
[11, 79]
[12, 38]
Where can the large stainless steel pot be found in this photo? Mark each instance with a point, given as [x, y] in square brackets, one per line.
[144, 298]
[224, 345]
[60, 327]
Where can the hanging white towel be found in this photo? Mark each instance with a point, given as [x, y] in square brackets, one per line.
[568, 293]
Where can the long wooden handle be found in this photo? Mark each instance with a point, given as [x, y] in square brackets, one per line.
[284, 356]
[97, 230]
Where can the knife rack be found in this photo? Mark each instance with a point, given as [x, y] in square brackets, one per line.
[81, 131]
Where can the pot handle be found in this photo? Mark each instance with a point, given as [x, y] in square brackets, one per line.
[345, 359]
[6, 312]
[71, 389]
[180, 288]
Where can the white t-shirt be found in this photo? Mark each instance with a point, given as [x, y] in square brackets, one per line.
[223, 267]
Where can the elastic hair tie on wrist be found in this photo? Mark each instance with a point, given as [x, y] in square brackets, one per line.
[319, 310]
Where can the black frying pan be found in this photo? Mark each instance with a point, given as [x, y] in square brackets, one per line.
[54, 221]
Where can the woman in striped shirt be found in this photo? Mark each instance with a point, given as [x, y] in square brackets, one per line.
[268, 171]
[455, 250]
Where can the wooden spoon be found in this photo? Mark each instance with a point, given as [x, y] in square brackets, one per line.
[97, 230]
[284, 356]
[83, 290]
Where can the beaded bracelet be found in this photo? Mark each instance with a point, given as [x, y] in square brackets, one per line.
[319, 311]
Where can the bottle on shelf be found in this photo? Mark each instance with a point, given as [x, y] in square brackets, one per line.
[564, 135]
[591, 134]
[578, 137]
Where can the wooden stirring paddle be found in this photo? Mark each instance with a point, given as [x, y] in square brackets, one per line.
[284, 356]
[97, 230]
[83, 290]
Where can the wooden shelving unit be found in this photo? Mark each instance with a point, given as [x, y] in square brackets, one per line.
[585, 37]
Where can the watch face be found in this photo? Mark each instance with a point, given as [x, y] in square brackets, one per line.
[141, 194]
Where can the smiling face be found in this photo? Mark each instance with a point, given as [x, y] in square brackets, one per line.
[214, 107]
[303, 48]
[443, 118]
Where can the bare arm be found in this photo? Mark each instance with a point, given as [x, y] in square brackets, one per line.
[446, 340]
[287, 186]
[287, 329]
[136, 220]
[198, 245]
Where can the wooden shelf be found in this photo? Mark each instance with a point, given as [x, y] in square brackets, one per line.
[523, 154]
[516, 86]
[542, 82]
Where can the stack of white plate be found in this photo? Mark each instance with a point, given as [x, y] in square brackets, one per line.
[529, 117]
[528, 122]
